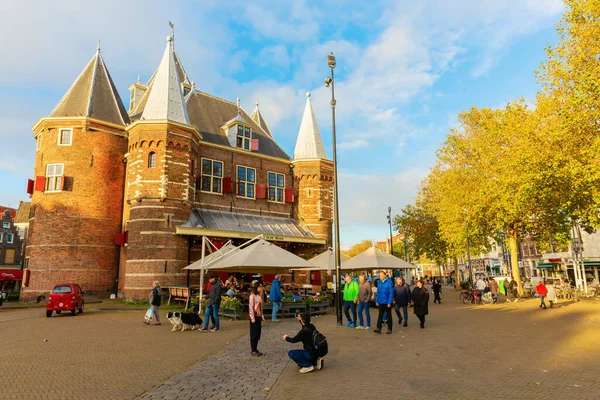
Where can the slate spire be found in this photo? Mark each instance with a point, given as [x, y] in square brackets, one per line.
[165, 100]
[309, 144]
[93, 94]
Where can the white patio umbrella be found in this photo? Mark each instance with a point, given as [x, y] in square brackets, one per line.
[222, 252]
[261, 256]
[324, 261]
[373, 258]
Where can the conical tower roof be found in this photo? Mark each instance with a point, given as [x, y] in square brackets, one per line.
[165, 100]
[260, 121]
[309, 144]
[93, 94]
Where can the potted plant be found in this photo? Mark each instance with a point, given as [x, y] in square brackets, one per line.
[318, 304]
[231, 307]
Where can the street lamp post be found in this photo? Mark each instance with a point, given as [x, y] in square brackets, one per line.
[468, 251]
[389, 217]
[329, 82]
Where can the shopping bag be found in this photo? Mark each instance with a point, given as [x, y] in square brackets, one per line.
[149, 314]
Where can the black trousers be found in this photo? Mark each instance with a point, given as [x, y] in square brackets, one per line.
[422, 319]
[437, 297]
[255, 329]
[382, 309]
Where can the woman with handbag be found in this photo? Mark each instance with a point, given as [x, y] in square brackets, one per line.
[255, 311]
[420, 298]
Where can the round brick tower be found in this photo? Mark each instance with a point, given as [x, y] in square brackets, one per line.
[160, 185]
[78, 188]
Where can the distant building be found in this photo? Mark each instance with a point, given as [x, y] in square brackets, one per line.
[10, 252]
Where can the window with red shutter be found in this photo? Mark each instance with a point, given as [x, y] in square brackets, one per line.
[289, 195]
[30, 186]
[254, 146]
[119, 239]
[261, 191]
[40, 183]
[227, 185]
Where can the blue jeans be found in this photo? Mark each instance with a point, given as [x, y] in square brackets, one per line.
[364, 305]
[214, 310]
[350, 305]
[276, 307]
[542, 304]
[302, 358]
[404, 312]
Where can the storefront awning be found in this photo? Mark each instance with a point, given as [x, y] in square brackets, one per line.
[246, 226]
[546, 265]
[11, 275]
[591, 263]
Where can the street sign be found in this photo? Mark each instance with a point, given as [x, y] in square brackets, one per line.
[467, 267]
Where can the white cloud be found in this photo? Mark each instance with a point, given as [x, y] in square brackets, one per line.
[354, 144]
[276, 56]
[294, 23]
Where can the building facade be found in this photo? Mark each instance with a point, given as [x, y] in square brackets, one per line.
[10, 252]
[122, 198]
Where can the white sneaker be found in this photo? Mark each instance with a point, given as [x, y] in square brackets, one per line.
[367, 327]
[359, 327]
[306, 369]
[319, 363]
[516, 300]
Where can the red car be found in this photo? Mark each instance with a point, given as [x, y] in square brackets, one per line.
[65, 297]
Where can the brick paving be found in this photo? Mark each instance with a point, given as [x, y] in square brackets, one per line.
[504, 351]
[232, 373]
[97, 354]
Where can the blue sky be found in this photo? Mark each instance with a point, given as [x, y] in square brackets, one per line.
[404, 72]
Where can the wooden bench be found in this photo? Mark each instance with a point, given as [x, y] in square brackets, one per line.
[180, 293]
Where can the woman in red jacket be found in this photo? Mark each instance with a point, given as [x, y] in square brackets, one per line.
[542, 291]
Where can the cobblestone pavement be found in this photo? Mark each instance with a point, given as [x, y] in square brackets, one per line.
[502, 351]
[232, 373]
[97, 354]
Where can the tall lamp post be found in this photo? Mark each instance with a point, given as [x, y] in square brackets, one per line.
[468, 251]
[329, 82]
[389, 217]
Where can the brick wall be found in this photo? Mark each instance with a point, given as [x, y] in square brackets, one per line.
[71, 233]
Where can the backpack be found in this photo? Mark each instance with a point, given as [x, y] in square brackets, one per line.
[320, 343]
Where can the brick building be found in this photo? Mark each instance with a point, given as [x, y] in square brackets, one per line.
[10, 251]
[122, 198]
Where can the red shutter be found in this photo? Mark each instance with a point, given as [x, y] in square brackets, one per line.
[62, 183]
[289, 195]
[40, 183]
[254, 145]
[226, 185]
[119, 237]
[30, 185]
[261, 191]
[125, 237]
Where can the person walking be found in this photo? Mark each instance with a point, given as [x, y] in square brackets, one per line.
[255, 312]
[420, 298]
[154, 300]
[493, 285]
[401, 299]
[437, 289]
[550, 295]
[514, 288]
[364, 296]
[507, 289]
[275, 296]
[541, 290]
[307, 358]
[350, 300]
[214, 302]
[384, 300]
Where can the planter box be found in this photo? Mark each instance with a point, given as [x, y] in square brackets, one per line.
[318, 308]
[291, 309]
[231, 313]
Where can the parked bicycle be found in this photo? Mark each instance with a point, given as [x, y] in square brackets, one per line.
[470, 296]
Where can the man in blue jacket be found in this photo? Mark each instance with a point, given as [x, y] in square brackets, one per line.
[384, 300]
[275, 296]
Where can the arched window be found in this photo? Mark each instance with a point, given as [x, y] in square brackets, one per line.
[152, 160]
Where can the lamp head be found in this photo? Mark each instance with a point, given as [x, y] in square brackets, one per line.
[327, 81]
[331, 60]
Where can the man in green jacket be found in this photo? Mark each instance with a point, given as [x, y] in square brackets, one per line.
[350, 300]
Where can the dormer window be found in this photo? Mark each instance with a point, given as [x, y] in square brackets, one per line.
[186, 88]
[244, 137]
